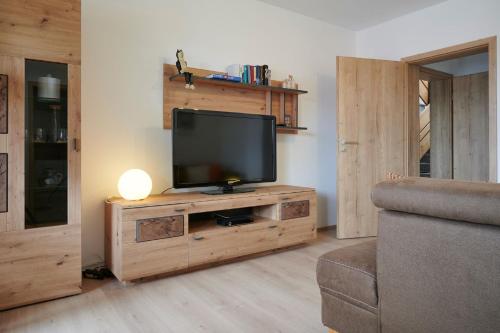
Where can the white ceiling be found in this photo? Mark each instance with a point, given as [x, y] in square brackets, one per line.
[353, 14]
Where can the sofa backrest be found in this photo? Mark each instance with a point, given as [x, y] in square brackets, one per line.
[438, 256]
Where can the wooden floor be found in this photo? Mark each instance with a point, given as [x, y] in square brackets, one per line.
[274, 293]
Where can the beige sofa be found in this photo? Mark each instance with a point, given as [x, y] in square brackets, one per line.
[435, 266]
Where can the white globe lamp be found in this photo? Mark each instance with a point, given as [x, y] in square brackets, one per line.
[135, 184]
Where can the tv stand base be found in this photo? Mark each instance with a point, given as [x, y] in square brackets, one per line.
[229, 190]
[178, 231]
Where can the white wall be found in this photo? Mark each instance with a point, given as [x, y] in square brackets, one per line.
[449, 23]
[125, 43]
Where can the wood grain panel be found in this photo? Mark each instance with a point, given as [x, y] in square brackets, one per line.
[224, 243]
[470, 127]
[74, 139]
[4, 194]
[133, 214]
[285, 192]
[296, 231]
[450, 52]
[293, 210]
[4, 106]
[207, 97]
[492, 110]
[13, 143]
[412, 121]
[371, 118]
[39, 264]
[130, 260]
[155, 257]
[159, 228]
[441, 129]
[41, 29]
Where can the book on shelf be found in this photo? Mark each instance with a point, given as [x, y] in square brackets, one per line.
[247, 74]
[224, 77]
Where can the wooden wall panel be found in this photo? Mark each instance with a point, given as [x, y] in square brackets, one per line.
[470, 127]
[207, 97]
[441, 129]
[225, 98]
[39, 264]
[41, 29]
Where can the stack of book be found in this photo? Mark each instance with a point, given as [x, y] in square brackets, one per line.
[254, 75]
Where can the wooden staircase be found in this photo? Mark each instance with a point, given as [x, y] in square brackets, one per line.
[425, 130]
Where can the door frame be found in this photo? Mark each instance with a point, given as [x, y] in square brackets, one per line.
[489, 45]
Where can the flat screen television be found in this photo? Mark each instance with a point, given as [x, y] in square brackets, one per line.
[213, 148]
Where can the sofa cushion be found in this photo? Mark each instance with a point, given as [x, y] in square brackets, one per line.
[349, 273]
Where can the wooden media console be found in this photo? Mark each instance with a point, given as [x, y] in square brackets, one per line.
[175, 232]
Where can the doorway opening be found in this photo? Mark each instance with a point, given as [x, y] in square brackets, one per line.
[456, 126]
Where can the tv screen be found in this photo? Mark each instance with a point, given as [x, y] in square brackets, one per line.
[222, 148]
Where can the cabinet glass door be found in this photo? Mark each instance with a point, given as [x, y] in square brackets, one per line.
[46, 144]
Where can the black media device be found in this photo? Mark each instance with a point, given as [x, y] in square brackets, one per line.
[212, 148]
[232, 217]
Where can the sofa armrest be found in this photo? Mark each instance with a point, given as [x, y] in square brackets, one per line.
[447, 199]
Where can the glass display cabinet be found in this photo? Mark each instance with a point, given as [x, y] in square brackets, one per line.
[46, 144]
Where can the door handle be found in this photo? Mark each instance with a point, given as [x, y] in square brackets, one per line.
[196, 237]
[76, 145]
[343, 143]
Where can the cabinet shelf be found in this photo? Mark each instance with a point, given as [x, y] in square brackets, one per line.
[204, 80]
[211, 224]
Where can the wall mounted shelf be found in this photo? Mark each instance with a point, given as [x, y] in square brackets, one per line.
[291, 128]
[220, 95]
[205, 80]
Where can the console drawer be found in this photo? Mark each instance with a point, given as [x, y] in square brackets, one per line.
[294, 209]
[154, 257]
[229, 242]
[205, 247]
[159, 228]
[296, 231]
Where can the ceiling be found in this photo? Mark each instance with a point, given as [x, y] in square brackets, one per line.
[353, 14]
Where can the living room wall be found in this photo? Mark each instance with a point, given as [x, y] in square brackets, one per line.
[125, 43]
[446, 24]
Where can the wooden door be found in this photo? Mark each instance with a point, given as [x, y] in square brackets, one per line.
[470, 127]
[372, 106]
[441, 129]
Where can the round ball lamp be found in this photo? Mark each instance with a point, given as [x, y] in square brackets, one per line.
[135, 184]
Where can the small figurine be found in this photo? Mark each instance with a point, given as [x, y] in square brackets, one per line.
[267, 75]
[181, 65]
[289, 82]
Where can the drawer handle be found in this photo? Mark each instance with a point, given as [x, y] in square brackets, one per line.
[179, 210]
[286, 198]
[195, 237]
[272, 226]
